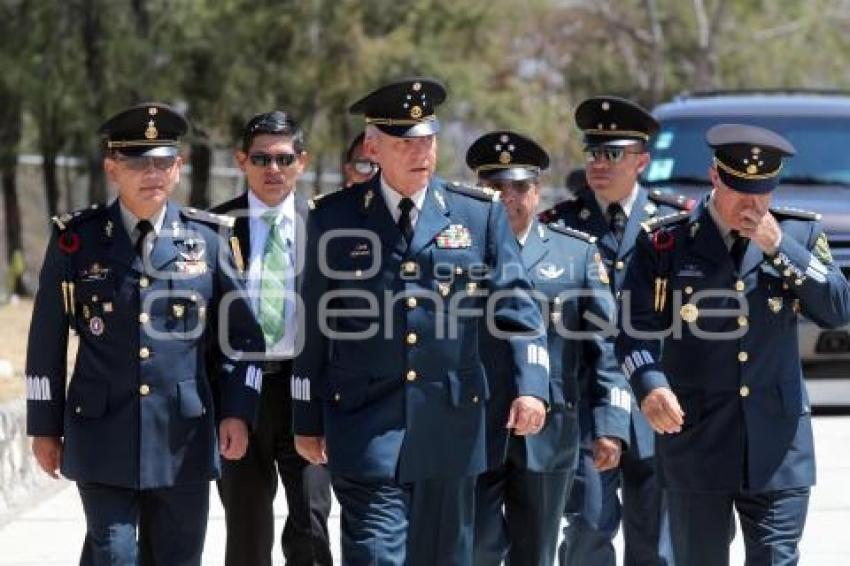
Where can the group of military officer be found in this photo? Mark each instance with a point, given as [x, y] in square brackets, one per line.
[464, 373]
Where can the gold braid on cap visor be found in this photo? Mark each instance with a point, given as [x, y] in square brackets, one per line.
[748, 176]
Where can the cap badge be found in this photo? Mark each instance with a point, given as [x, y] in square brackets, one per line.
[504, 158]
[151, 132]
[416, 112]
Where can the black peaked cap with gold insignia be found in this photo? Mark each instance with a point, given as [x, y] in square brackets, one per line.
[506, 156]
[151, 129]
[748, 158]
[404, 108]
[614, 121]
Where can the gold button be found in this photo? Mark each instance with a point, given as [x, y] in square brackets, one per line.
[744, 391]
[458, 270]
[798, 282]
[337, 397]
[412, 338]
[620, 265]
[475, 399]
[411, 302]
[739, 286]
[411, 375]
[144, 282]
[787, 273]
[358, 273]
[78, 409]
[144, 318]
[742, 321]
[409, 267]
[689, 290]
[144, 353]
[743, 357]
[144, 389]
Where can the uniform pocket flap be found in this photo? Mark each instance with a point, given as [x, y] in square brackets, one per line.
[191, 405]
[467, 387]
[88, 398]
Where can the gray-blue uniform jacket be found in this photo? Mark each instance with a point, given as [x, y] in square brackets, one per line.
[747, 416]
[138, 412]
[568, 277]
[404, 398]
[583, 213]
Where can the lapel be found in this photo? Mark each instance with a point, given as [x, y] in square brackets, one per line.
[164, 251]
[242, 227]
[433, 218]
[535, 248]
[596, 224]
[377, 217]
[121, 249]
[707, 241]
[301, 211]
[633, 225]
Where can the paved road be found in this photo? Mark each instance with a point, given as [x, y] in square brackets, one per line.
[50, 534]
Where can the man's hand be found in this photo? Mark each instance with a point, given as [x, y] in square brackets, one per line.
[764, 230]
[606, 453]
[48, 453]
[233, 438]
[311, 448]
[527, 415]
[662, 410]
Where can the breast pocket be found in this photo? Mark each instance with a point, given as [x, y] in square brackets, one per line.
[88, 398]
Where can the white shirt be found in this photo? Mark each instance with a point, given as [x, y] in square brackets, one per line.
[392, 198]
[627, 203]
[259, 233]
[523, 238]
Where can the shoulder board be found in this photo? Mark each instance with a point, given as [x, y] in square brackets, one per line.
[208, 217]
[673, 200]
[661, 221]
[794, 213]
[553, 213]
[63, 221]
[480, 193]
[322, 199]
[572, 232]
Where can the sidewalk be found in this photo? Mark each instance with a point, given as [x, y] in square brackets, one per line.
[50, 534]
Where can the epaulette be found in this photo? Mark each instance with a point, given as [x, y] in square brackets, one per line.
[553, 213]
[480, 193]
[660, 221]
[324, 198]
[671, 199]
[208, 217]
[794, 213]
[63, 221]
[572, 232]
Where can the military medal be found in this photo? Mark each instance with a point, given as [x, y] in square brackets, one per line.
[689, 312]
[96, 325]
[455, 236]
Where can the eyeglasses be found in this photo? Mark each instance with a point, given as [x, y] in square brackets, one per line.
[612, 155]
[265, 159]
[143, 162]
[364, 166]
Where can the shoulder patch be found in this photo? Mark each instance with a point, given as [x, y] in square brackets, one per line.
[572, 232]
[554, 213]
[322, 199]
[62, 222]
[661, 221]
[671, 199]
[480, 193]
[794, 213]
[208, 217]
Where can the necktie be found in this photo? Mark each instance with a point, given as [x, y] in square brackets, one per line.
[273, 283]
[144, 227]
[617, 221]
[404, 222]
[738, 249]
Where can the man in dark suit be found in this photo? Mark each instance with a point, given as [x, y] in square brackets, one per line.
[389, 387]
[611, 205]
[710, 311]
[520, 499]
[269, 227]
[146, 285]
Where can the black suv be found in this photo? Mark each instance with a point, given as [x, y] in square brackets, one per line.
[817, 178]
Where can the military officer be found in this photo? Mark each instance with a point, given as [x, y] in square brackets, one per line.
[612, 206]
[521, 498]
[726, 284]
[142, 282]
[389, 387]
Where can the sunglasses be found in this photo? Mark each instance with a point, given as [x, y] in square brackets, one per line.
[265, 159]
[364, 166]
[612, 155]
[142, 162]
[519, 187]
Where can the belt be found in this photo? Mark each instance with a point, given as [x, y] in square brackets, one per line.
[277, 366]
